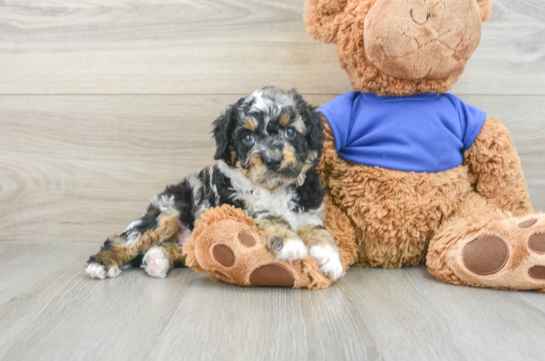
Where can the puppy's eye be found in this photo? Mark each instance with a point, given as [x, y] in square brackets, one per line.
[290, 133]
[248, 139]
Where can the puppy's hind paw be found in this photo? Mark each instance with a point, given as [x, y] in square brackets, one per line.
[292, 250]
[98, 271]
[156, 263]
[328, 260]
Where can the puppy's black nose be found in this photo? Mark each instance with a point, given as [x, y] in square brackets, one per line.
[273, 163]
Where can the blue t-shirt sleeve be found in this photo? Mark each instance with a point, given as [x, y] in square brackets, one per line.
[471, 120]
[338, 113]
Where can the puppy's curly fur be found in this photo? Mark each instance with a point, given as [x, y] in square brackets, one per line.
[268, 146]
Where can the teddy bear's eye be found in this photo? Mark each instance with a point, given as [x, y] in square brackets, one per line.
[248, 139]
[290, 133]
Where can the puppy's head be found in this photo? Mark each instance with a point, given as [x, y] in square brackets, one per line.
[273, 137]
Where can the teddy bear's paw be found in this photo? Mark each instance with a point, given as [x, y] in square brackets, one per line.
[156, 263]
[511, 256]
[241, 260]
[99, 271]
[292, 250]
[328, 260]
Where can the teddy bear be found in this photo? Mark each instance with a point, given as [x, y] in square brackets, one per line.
[414, 176]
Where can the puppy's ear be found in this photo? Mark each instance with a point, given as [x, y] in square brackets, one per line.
[323, 18]
[223, 128]
[313, 122]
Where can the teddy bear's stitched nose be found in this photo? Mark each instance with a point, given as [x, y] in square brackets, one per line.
[420, 15]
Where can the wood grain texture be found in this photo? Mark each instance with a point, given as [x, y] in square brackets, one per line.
[50, 310]
[80, 168]
[222, 47]
[105, 102]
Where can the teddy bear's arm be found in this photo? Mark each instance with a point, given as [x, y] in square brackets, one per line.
[495, 170]
[329, 154]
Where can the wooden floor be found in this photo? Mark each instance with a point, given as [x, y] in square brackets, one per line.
[104, 102]
[50, 310]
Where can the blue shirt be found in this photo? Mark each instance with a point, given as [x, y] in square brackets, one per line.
[419, 133]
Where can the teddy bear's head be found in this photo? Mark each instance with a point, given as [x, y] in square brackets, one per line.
[400, 47]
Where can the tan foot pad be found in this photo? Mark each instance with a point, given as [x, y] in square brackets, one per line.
[537, 243]
[486, 255]
[537, 272]
[223, 255]
[528, 223]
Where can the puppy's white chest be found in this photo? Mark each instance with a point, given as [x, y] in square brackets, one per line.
[280, 203]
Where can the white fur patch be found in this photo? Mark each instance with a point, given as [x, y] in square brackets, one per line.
[95, 270]
[281, 203]
[133, 225]
[293, 250]
[165, 204]
[196, 185]
[328, 260]
[314, 217]
[114, 272]
[132, 237]
[183, 236]
[156, 263]
[213, 185]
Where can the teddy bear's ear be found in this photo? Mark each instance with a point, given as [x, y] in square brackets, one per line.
[323, 18]
[486, 9]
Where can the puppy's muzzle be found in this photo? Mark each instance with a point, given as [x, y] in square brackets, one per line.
[273, 163]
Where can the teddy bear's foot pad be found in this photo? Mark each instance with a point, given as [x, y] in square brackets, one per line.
[510, 255]
[272, 275]
[486, 255]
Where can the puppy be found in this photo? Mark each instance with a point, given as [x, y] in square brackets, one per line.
[268, 146]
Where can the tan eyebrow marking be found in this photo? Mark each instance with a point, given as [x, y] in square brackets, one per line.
[250, 124]
[285, 120]
[300, 126]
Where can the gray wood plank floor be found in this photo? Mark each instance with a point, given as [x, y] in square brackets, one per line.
[50, 310]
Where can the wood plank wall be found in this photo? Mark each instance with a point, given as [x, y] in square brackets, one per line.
[102, 103]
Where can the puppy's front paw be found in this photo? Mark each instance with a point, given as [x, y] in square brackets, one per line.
[292, 250]
[98, 271]
[328, 260]
[156, 263]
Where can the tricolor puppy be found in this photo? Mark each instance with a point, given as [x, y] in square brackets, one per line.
[268, 145]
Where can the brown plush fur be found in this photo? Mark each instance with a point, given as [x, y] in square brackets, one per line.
[406, 218]
[343, 233]
[495, 171]
[403, 218]
[395, 213]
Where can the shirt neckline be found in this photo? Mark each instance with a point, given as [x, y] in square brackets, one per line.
[416, 97]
